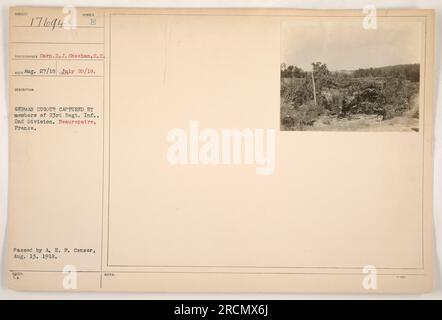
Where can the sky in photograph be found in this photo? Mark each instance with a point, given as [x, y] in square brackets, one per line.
[348, 46]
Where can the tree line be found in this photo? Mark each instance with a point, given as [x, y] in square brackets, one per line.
[402, 71]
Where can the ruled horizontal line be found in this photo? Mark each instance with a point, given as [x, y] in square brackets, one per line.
[57, 76]
[58, 59]
[228, 272]
[33, 42]
[50, 27]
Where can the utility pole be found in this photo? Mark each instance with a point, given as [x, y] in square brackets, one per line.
[314, 88]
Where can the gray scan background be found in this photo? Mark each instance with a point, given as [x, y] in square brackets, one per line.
[5, 293]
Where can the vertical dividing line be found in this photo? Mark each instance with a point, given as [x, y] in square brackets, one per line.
[423, 141]
[108, 138]
[103, 121]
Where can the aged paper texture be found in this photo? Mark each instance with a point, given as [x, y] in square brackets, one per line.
[220, 150]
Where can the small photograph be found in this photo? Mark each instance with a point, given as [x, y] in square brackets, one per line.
[338, 76]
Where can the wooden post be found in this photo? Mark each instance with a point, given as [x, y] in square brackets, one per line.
[314, 88]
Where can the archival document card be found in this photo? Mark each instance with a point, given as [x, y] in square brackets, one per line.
[220, 150]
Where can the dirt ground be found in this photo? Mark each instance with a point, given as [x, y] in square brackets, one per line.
[363, 122]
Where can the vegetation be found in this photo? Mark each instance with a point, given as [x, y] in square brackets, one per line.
[402, 71]
[382, 93]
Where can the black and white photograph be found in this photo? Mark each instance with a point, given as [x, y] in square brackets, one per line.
[340, 76]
